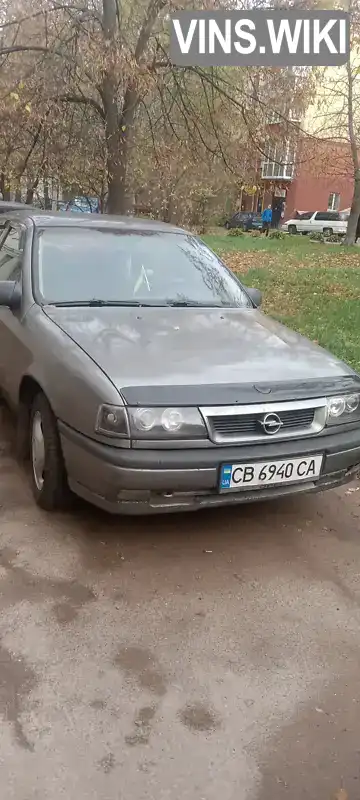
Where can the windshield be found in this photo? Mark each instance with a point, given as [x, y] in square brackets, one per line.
[81, 265]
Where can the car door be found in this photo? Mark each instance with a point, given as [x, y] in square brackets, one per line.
[320, 221]
[341, 226]
[256, 221]
[309, 222]
[335, 222]
[326, 220]
[14, 350]
[303, 222]
[248, 221]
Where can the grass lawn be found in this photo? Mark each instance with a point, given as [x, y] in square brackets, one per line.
[312, 287]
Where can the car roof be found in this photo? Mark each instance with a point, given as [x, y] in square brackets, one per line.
[59, 219]
[8, 205]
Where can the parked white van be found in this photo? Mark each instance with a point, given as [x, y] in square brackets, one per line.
[320, 221]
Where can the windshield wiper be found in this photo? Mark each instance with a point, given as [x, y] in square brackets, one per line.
[102, 303]
[97, 303]
[195, 304]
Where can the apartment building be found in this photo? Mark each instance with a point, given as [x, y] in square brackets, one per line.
[309, 167]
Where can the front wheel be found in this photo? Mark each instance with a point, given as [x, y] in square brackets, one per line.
[292, 229]
[48, 474]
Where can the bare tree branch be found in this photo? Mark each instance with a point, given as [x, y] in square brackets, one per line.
[153, 11]
[82, 100]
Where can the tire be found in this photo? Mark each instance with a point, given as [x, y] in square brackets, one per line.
[328, 231]
[48, 474]
[292, 229]
[227, 225]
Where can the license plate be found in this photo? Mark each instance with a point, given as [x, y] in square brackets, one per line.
[269, 473]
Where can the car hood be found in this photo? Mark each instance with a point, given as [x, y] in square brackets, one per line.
[199, 356]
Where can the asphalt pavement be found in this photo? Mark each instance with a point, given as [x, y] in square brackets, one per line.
[192, 657]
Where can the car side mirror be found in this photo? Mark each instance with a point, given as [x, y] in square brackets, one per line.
[10, 295]
[256, 296]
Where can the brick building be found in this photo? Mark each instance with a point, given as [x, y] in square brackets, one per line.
[309, 173]
[320, 177]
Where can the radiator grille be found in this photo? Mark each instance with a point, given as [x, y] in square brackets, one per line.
[250, 424]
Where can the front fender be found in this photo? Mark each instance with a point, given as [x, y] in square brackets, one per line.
[73, 383]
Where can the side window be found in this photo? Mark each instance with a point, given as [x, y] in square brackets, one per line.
[11, 251]
[327, 216]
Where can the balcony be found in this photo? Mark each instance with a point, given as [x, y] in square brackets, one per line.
[274, 118]
[272, 170]
[283, 117]
[279, 164]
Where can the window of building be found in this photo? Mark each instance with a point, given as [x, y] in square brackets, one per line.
[279, 162]
[274, 118]
[333, 201]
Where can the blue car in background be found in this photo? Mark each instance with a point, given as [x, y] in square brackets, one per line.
[84, 205]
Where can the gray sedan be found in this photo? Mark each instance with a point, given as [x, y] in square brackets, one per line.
[145, 379]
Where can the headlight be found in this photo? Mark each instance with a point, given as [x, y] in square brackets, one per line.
[150, 423]
[112, 421]
[166, 423]
[352, 403]
[342, 409]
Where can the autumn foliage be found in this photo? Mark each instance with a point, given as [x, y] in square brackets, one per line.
[90, 102]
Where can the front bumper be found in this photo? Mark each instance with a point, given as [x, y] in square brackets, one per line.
[134, 481]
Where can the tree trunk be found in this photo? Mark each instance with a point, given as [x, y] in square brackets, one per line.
[166, 210]
[117, 201]
[24, 165]
[350, 237]
[119, 125]
[117, 136]
[102, 199]
[47, 201]
[31, 191]
[116, 164]
[4, 187]
[29, 196]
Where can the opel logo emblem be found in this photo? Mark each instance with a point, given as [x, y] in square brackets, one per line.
[271, 424]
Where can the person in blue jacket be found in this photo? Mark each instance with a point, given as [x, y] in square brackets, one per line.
[266, 220]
